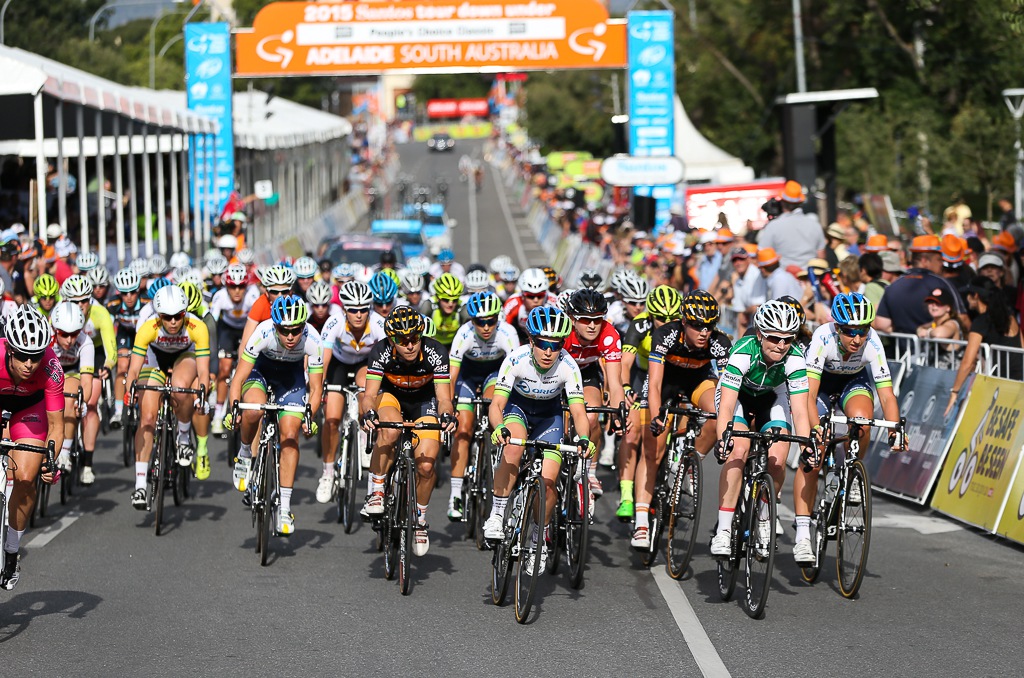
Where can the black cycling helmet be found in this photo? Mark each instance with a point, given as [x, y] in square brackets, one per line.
[587, 302]
[404, 322]
[388, 257]
[476, 267]
[797, 306]
[700, 307]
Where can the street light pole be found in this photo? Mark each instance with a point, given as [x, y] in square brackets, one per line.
[1014, 99]
[3, 12]
[152, 48]
[798, 48]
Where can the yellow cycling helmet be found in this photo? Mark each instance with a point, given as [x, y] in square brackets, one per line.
[448, 286]
[194, 296]
[45, 286]
[664, 303]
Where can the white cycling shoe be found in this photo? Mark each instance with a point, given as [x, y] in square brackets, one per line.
[494, 529]
[803, 552]
[721, 545]
[325, 489]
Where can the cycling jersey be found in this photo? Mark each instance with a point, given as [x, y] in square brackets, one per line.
[228, 312]
[607, 346]
[193, 337]
[125, 318]
[483, 356]
[414, 380]
[514, 311]
[46, 385]
[100, 328]
[7, 306]
[344, 346]
[79, 357]
[447, 326]
[825, 354]
[638, 340]
[260, 310]
[519, 374]
[146, 313]
[669, 349]
[747, 371]
[617, 316]
[264, 343]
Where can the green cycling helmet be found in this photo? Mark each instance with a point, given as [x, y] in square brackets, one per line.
[45, 286]
[448, 286]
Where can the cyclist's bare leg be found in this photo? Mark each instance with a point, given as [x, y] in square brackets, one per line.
[123, 358]
[184, 376]
[223, 375]
[70, 413]
[426, 458]
[149, 404]
[289, 427]
[383, 450]
[333, 409]
[707, 437]
[23, 469]
[91, 423]
[594, 398]
[731, 478]
[505, 473]
[251, 418]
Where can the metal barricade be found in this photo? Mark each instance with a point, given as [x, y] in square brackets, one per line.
[944, 354]
[1004, 361]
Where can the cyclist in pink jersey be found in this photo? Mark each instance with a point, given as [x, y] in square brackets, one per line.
[32, 390]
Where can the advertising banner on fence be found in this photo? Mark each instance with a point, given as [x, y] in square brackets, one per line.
[450, 36]
[208, 87]
[457, 108]
[1011, 523]
[983, 458]
[923, 397]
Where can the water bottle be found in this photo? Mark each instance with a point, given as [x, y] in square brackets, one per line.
[674, 456]
[831, 486]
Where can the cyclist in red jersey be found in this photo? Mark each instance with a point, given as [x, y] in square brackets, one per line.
[32, 390]
[592, 340]
[533, 293]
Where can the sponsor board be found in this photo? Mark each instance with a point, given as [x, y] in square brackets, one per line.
[625, 170]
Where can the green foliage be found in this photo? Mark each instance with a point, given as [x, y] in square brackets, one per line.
[571, 111]
[467, 86]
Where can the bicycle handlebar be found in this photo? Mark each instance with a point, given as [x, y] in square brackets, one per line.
[544, 445]
[772, 435]
[338, 388]
[415, 425]
[877, 423]
[271, 407]
[473, 401]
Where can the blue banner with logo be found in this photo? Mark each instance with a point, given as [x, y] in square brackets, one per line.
[208, 84]
[652, 92]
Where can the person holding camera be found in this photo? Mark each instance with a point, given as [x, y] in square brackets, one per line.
[795, 235]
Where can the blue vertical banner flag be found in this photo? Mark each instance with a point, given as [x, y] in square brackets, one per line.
[652, 93]
[208, 84]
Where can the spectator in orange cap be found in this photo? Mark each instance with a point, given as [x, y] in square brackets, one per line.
[779, 281]
[795, 235]
[876, 243]
[954, 266]
[902, 308]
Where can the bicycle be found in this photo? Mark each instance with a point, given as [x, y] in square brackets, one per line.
[348, 467]
[164, 469]
[479, 479]
[68, 480]
[129, 425]
[836, 517]
[569, 526]
[105, 406]
[753, 523]
[677, 492]
[264, 488]
[523, 529]
[397, 525]
[232, 434]
[6, 447]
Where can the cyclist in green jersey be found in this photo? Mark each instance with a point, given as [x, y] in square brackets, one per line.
[447, 292]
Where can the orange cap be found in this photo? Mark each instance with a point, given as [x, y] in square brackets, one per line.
[725, 236]
[1004, 242]
[792, 192]
[952, 249]
[926, 243]
[751, 248]
[876, 243]
[767, 257]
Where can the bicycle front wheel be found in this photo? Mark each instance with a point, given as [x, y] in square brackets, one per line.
[854, 533]
[502, 560]
[351, 475]
[408, 535]
[162, 466]
[482, 496]
[760, 546]
[128, 436]
[531, 548]
[683, 515]
[394, 509]
[268, 519]
[824, 522]
[577, 529]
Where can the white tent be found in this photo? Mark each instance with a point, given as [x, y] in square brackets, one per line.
[704, 162]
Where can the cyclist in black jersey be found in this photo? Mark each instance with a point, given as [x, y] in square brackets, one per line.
[124, 310]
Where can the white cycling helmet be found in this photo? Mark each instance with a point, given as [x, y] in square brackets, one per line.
[500, 263]
[419, 265]
[170, 300]
[193, 276]
[354, 294]
[87, 261]
[67, 317]
[412, 282]
[180, 260]
[342, 272]
[27, 330]
[140, 266]
[127, 280]
[477, 281]
[278, 276]
[246, 256]
[179, 273]
[97, 276]
[260, 272]
[634, 288]
[319, 293]
[216, 265]
[563, 299]
[236, 275]
[305, 267]
[778, 317]
[362, 273]
[533, 281]
[76, 288]
[157, 264]
[227, 242]
[510, 274]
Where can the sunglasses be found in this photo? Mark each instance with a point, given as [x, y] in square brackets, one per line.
[854, 331]
[358, 311]
[485, 322]
[169, 318]
[410, 340]
[634, 303]
[290, 331]
[778, 339]
[699, 327]
[590, 319]
[239, 287]
[542, 295]
[445, 300]
[276, 292]
[26, 357]
[547, 345]
[68, 335]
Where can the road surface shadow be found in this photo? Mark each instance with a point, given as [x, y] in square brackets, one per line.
[18, 613]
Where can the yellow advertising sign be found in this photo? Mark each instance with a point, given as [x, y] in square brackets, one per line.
[478, 130]
[557, 160]
[983, 458]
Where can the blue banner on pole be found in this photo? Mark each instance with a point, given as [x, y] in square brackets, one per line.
[208, 84]
[652, 92]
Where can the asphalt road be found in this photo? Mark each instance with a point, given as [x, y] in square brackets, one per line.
[101, 595]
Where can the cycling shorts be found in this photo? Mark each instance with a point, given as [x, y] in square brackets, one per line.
[28, 416]
[689, 385]
[161, 363]
[342, 374]
[125, 340]
[768, 410]
[471, 386]
[843, 385]
[100, 361]
[229, 339]
[542, 419]
[638, 382]
[593, 375]
[413, 410]
[286, 379]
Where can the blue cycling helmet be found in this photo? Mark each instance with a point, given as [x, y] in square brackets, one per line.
[289, 310]
[156, 285]
[548, 322]
[483, 305]
[383, 288]
[853, 309]
[445, 256]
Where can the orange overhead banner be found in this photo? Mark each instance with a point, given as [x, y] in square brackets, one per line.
[438, 36]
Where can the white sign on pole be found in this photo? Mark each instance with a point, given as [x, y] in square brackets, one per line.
[625, 170]
[264, 189]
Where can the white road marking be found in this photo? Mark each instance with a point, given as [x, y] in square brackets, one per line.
[509, 221]
[922, 524]
[474, 224]
[49, 533]
[700, 646]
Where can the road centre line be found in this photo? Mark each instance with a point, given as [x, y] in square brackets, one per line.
[44, 536]
[703, 650]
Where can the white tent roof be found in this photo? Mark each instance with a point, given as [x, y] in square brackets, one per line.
[703, 161]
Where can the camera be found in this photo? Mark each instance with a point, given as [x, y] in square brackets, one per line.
[773, 208]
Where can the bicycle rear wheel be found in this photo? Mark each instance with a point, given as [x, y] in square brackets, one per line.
[502, 561]
[482, 496]
[163, 465]
[683, 515]
[394, 509]
[270, 498]
[577, 529]
[854, 533]
[655, 524]
[408, 535]
[824, 523]
[128, 436]
[531, 545]
[65, 484]
[760, 546]
[555, 533]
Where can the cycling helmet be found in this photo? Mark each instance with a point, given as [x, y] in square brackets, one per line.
[548, 322]
[587, 302]
[216, 265]
[278, 276]
[246, 256]
[777, 316]
[319, 293]
[429, 328]
[404, 321]
[76, 288]
[476, 267]
[140, 266]
[45, 286]
[157, 264]
[853, 309]
[383, 288]
[797, 306]
[619, 275]
[483, 305]
[419, 265]
[700, 307]
[67, 317]
[510, 274]
[563, 298]
[195, 277]
[126, 281]
[155, 286]
[500, 264]
[354, 294]
[634, 288]
[477, 281]
[590, 278]
[227, 242]
[342, 272]
[170, 300]
[393, 274]
[448, 287]
[179, 260]
[412, 282]
[260, 272]
[664, 302]
[305, 267]
[533, 281]
[180, 273]
[289, 310]
[445, 256]
[87, 261]
[98, 277]
[27, 330]
[194, 296]
[236, 275]
[554, 280]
